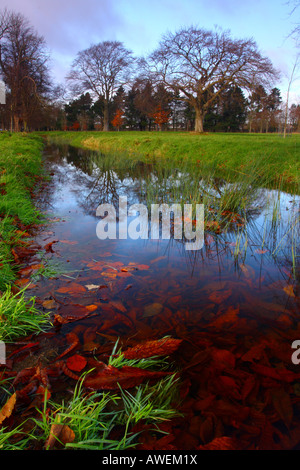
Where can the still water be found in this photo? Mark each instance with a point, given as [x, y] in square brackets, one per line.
[234, 303]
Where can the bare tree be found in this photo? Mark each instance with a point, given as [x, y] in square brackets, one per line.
[23, 64]
[295, 33]
[102, 69]
[200, 64]
[5, 17]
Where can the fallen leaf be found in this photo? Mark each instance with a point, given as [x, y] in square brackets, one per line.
[118, 305]
[161, 347]
[92, 286]
[157, 259]
[110, 378]
[254, 353]
[50, 304]
[223, 359]
[220, 296]
[36, 266]
[279, 374]
[76, 311]
[23, 282]
[7, 409]
[48, 248]
[152, 309]
[72, 288]
[109, 275]
[59, 320]
[91, 308]
[142, 267]
[73, 340]
[289, 290]
[25, 271]
[22, 234]
[124, 274]
[76, 363]
[226, 319]
[59, 433]
[15, 255]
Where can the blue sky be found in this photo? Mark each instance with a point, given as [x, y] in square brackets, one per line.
[69, 26]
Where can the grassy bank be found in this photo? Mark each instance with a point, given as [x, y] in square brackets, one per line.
[276, 157]
[20, 166]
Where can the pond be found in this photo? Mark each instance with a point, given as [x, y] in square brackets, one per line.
[234, 302]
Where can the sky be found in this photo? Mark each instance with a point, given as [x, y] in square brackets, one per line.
[71, 26]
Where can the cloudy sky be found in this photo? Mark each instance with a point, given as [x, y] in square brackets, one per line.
[69, 26]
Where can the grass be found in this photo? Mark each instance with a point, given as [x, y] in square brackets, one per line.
[100, 420]
[234, 153]
[6, 439]
[20, 164]
[150, 403]
[96, 416]
[88, 417]
[50, 268]
[18, 316]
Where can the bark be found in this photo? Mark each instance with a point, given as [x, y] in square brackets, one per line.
[105, 118]
[16, 123]
[199, 120]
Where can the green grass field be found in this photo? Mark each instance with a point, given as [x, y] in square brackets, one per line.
[279, 158]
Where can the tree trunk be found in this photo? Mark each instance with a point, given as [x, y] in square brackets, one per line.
[105, 118]
[267, 126]
[16, 123]
[199, 120]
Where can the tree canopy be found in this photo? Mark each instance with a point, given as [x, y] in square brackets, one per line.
[24, 66]
[200, 64]
[102, 69]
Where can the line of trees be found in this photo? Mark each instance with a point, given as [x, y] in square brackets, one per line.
[145, 107]
[195, 80]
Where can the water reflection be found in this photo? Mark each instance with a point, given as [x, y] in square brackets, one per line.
[247, 265]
